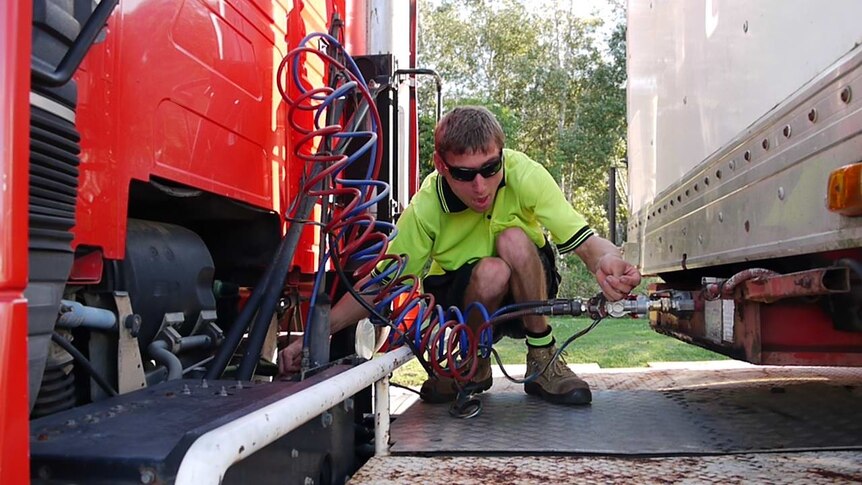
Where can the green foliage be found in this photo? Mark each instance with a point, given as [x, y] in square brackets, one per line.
[508, 119]
[426, 145]
[556, 87]
[576, 281]
[613, 343]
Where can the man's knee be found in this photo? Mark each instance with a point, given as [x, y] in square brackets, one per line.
[515, 247]
[490, 278]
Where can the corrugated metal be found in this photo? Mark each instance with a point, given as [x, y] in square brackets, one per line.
[808, 468]
[654, 412]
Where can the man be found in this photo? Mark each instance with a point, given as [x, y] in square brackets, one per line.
[480, 219]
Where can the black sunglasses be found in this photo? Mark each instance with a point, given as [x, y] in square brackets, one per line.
[487, 170]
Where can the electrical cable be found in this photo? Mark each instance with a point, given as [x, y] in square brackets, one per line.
[85, 363]
[402, 386]
[557, 355]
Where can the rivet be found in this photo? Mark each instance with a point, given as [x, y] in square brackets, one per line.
[846, 94]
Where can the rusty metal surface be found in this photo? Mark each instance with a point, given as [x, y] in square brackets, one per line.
[820, 281]
[779, 468]
[655, 412]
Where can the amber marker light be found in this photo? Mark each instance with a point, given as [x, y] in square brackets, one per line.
[844, 195]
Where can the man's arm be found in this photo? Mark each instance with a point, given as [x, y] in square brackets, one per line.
[412, 241]
[616, 277]
[346, 312]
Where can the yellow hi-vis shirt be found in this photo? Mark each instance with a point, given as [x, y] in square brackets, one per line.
[439, 226]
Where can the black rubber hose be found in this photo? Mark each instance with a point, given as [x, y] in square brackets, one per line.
[281, 265]
[240, 325]
[272, 291]
[78, 356]
[73, 57]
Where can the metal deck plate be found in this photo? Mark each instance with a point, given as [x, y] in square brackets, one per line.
[781, 468]
[672, 412]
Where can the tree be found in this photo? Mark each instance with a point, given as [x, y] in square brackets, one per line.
[557, 91]
[508, 119]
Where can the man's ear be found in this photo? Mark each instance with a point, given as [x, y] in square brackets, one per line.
[438, 163]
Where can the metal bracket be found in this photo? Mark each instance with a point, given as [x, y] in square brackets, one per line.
[270, 344]
[204, 318]
[130, 368]
[172, 320]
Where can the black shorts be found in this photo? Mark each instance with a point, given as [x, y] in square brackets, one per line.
[449, 288]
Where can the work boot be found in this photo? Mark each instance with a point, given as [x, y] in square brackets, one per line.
[438, 390]
[558, 384]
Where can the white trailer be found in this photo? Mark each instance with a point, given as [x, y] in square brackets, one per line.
[743, 142]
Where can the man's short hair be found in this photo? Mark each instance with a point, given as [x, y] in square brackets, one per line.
[468, 129]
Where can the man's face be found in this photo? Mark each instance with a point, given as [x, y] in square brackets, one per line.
[479, 192]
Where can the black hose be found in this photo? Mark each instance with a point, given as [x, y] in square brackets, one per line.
[77, 355]
[281, 264]
[240, 325]
[73, 57]
[556, 355]
[272, 291]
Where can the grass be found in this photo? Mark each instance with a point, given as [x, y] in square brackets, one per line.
[613, 343]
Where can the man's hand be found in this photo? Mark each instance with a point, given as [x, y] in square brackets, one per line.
[616, 277]
[289, 358]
